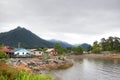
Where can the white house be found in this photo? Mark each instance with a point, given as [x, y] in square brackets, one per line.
[36, 52]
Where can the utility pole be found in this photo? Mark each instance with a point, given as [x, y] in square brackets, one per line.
[18, 44]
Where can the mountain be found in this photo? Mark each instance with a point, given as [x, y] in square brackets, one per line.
[84, 45]
[62, 43]
[24, 37]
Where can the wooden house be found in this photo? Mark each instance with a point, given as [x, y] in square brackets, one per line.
[36, 52]
[51, 51]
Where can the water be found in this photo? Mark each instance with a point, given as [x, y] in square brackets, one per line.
[91, 69]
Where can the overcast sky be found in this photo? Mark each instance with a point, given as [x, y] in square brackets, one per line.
[74, 21]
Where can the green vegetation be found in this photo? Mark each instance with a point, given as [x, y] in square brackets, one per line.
[7, 72]
[89, 48]
[25, 76]
[111, 44]
[96, 47]
[77, 50]
[60, 49]
[25, 37]
[2, 55]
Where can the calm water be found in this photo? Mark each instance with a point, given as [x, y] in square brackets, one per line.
[91, 69]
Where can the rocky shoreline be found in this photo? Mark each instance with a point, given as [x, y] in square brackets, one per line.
[38, 65]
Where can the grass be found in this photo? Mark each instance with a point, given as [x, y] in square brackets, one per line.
[25, 76]
[8, 72]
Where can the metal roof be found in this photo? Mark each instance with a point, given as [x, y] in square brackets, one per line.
[20, 50]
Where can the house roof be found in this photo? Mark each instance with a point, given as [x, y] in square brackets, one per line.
[32, 50]
[49, 50]
[20, 50]
[6, 48]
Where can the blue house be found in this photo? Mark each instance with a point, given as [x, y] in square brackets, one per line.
[20, 52]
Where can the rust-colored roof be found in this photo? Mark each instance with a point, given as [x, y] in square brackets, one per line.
[6, 49]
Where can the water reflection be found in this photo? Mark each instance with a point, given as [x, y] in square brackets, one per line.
[91, 69]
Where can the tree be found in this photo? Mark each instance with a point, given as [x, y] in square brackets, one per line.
[59, 48]
[96, 47]
[103, 44]
[44, 49]
[116, 44]
[77, 50]
[65, 50]
[89, 49]
[110, 44]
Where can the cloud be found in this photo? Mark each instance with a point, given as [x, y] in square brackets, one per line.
[58, 18]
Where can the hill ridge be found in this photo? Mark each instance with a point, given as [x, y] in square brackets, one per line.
[23, 36]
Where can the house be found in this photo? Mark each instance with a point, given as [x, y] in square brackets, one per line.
[6, 49]
[51, 51]
[36, 52]
[20, 52]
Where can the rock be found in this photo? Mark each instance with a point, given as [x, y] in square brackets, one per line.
[57, 78]
[21, 63]
[38, 65]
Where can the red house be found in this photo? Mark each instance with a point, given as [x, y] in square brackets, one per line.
[7, 50]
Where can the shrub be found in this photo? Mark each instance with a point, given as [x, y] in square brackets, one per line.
[8, 72]
[2, 54]
[96, 50]
[27, 76]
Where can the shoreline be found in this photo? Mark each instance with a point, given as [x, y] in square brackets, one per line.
[37, 66]
[106, 56]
